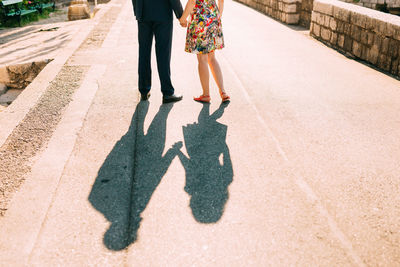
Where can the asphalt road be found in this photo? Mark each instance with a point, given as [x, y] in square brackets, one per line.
[301, 168]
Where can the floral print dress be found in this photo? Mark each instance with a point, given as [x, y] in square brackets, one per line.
[204, 33]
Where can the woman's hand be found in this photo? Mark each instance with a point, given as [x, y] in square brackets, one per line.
[177, 145]
[188, 10]
[183, 22]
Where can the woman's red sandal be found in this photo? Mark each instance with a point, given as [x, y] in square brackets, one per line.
[203, 99]
[225, 98]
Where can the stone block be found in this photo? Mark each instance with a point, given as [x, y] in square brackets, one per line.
[380, 27]
[333, 24]
[323, 7]
[316, 30]
[385, 45]
[290, 8]
[396, 34]
[76, 12]
[340, 26]
[341, 40]
[357, 49]
[291, 1]
[373, 55]
[292, 18]
[371, 38]
[364, 52]
[390, 30]
[321, 19]
[393, 48]
[334, 38]
[364, 37]
[378, 40]
[348, 44]
[314, 16]
[362, 21]
[347, 29]
[311, 28]
[79, 2]
[325, 34]
[271, 11]
[384, 62]
[394, 68]
[356, 33]
[341, 14]
[327, 21]
[370, 23]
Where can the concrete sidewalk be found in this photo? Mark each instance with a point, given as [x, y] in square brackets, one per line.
[300, 169]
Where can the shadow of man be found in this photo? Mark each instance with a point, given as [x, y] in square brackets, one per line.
[207, 175]
[130, 175]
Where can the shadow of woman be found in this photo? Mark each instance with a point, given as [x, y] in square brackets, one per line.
[130, 175]
[208, 167]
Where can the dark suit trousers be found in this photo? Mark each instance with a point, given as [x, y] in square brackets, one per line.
[162, 31]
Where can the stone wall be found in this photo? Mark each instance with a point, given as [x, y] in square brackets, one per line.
[305, 12]
[366, 3]
[376, 4]
[287, 11]
[364, 33]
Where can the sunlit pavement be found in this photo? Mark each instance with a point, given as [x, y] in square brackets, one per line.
[301, 168]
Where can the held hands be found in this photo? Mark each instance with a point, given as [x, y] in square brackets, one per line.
[177, 145]
[183, 22]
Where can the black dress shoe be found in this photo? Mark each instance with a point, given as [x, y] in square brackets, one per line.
[171, 98]
[144, 97]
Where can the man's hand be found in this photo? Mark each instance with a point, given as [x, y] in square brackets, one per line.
[183, 22]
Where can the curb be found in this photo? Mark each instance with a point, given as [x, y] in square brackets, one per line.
[16, 112]
[22, 224]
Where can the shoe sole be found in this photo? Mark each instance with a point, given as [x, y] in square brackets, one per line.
[171, 101]
[202, 101]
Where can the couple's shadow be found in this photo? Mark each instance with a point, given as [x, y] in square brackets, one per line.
[134, 168]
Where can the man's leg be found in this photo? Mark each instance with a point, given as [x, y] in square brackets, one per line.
[145, 43]
[163, 36]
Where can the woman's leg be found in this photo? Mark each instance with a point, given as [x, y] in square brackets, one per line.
[216, 72]
[204, 73]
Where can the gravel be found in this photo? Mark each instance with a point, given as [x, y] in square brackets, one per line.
[30, 136]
